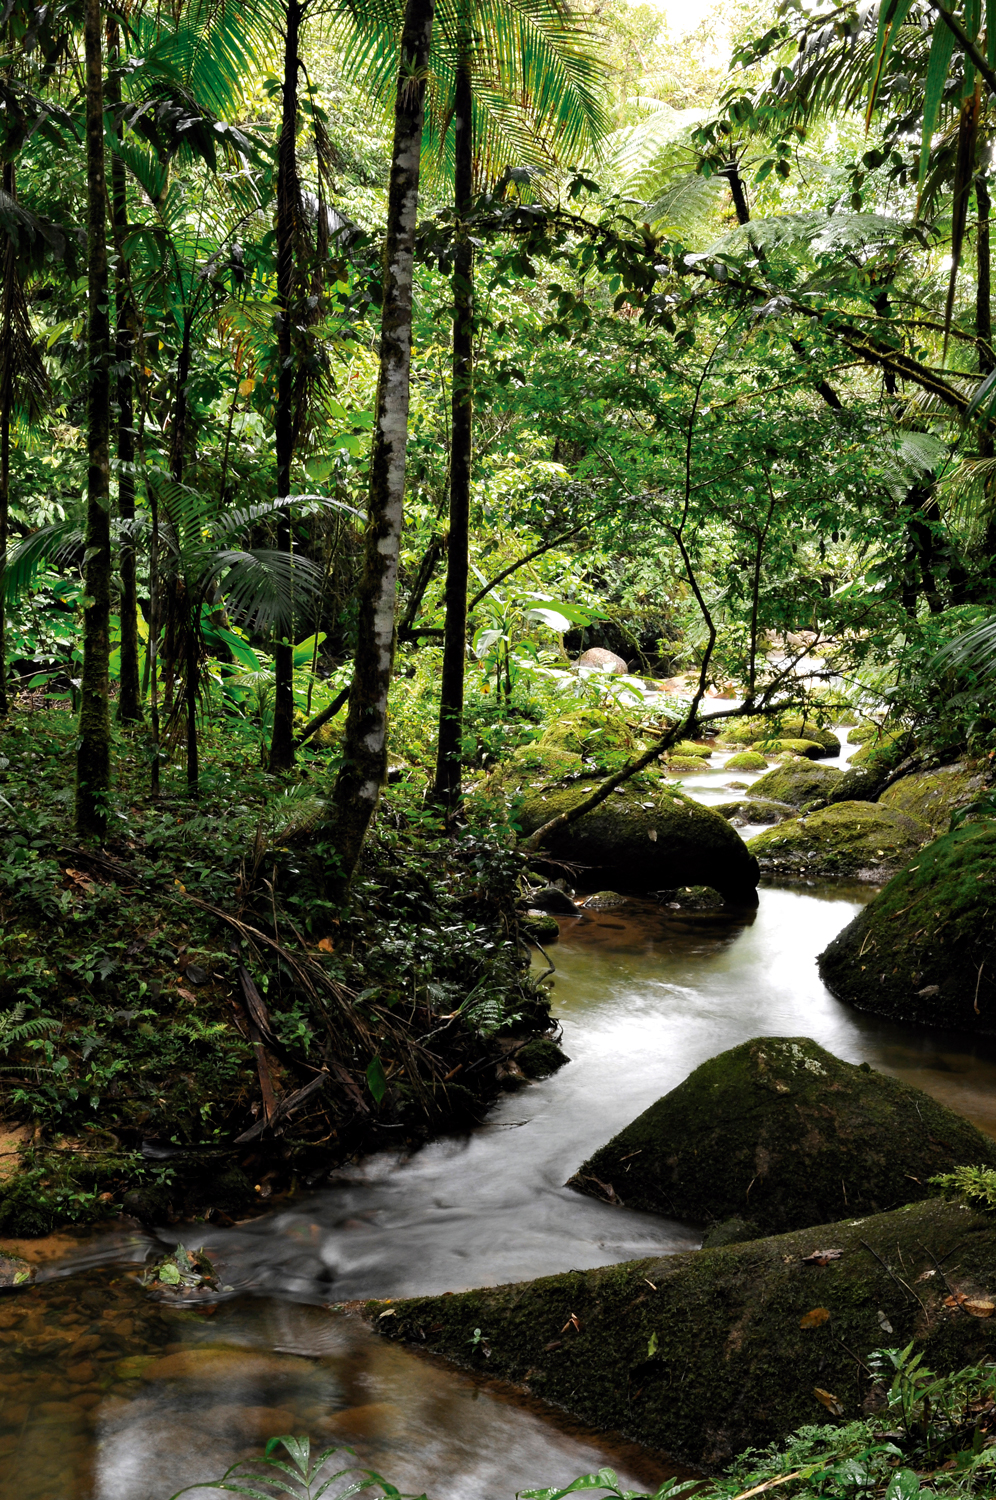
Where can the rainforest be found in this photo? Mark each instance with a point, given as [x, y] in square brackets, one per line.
[497, 749]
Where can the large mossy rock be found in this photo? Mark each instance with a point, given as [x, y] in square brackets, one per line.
[792, 727]
[746, 760]
[849, 838]
[713, 1351]
[924, 950]
[797, 783]
[644, 836]
[932, 796]
[780, 1133]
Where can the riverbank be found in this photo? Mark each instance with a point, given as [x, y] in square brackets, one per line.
[191, 1028]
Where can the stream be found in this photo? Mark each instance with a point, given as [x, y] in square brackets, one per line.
[105, 1395]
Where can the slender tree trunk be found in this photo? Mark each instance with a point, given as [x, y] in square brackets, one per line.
[93, 758]
[288, 205]
[986, 359]
[364, 767]
[448, 755]
[6, 413]
[738, 191]
[129, 689]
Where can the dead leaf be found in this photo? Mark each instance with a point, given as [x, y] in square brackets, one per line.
[820, 1257]
[829, 1401]
[652, 835]
[924, 1276]
[326, 945]
[883, 1321]
[187, 995]
[980, 1309]
[572, 1322]
[955, 1301]
[815, 1318]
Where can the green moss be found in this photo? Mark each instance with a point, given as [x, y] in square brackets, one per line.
[540, 925]
[704, 1354]
[689, 747]
[797, 783]
[847, 838]
[685, 765]
[808, 749]
[932, 796]
[923, 950]
[591, 734]
[755, 810]
[746, 760]
[540, 1058]
[886, 751]
[790, 727]
[781, 1131]
[646, 836]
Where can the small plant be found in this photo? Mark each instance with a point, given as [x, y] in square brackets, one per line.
[15, 1031]
[977, 1184]
[304, 1473]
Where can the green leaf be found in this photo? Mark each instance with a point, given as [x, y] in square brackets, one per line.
[169, 1274]
[937, 72]
[891, 17]
[376, 1079]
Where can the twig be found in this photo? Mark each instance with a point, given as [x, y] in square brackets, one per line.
[897, 1279]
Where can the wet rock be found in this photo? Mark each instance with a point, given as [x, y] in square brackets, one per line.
[782, 1132]
[857, 784]
[932, 796]
[746, 760]
[541, 1057]
[604, 901]
[735, 1231]
[848, 838]
[14, 1271]
[713, 1351]
[796, 783]
[923, 951]
[685, 765]
[755, 810]
[691, 897]
[693, 749]
[789, 727]
[805, 749]
[646, 836]
[552, 899]
[540, 925]
[885, 751]
[598, 659]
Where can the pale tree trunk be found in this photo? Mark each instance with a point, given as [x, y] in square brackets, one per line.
[364, 766]
[9, 291]
[129, 693]
[448, 755]
[93, 758]
[288, 207]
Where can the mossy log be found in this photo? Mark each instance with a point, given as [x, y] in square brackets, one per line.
[924, 951]
[646, 835]
[780, 1134]
[713, 1351]
[848, 838]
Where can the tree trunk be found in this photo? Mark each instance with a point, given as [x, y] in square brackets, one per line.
[129, 691]
[738, 191]
[288, 205]
[448, 755]
[6, 412]
[364, 767]
[93, 759]
[986, 359]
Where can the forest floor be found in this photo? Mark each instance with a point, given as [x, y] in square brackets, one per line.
[191, 1027]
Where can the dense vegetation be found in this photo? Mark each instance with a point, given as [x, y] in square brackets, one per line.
[360, 366]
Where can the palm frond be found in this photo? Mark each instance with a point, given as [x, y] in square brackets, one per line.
[55, 545]
[264, 589]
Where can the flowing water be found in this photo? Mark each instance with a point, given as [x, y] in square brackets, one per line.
[107, 1396]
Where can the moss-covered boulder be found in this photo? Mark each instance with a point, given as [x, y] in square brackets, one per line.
[924, 950]
[541, 926]
[932, 796]
[713, 1351]
[754, 810]
[604, 901]
[797, 783]
[782, 1134]
[857, 784]
[884, 751]
[644, 836]
[788, 727]
[806, 749]
[847, 838]
[685, 765]
[540, 1057]
[692, 747]
[746, 760]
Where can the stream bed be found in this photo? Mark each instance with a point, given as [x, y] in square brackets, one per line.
[105, 1395]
